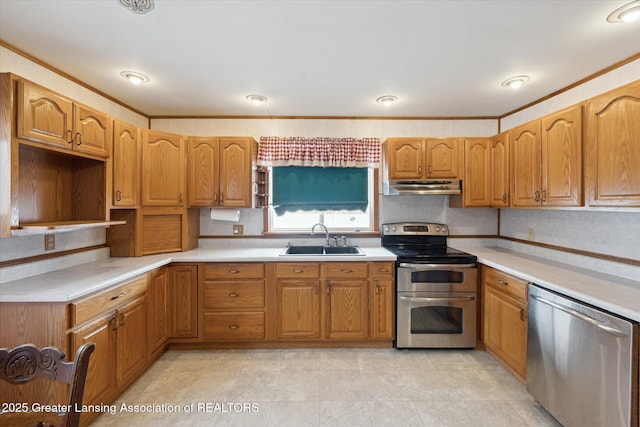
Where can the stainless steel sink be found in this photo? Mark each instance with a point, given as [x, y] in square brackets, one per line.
[322, 250]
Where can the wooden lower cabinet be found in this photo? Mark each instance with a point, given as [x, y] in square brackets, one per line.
[382, 301]
[298, 309]
[131, 343]
[158, 310]
[183, 302]
[505, 312]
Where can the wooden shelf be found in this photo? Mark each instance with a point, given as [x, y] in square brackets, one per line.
[39, 228]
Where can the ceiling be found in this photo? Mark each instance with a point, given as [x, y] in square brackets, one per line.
[323, 58]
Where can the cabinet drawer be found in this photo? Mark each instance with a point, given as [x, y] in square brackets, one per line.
[506, 283]
[242, 294]
[383, 269]
[346, 270]
[298, 270]
[234, 326]
[90, 307]
[234, 271]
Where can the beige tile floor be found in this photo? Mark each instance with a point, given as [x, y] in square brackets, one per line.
[329, 387]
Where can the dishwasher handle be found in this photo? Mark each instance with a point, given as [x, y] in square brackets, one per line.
[582, 316]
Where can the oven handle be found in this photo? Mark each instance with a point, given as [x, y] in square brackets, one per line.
[440, 266]
[440, 299]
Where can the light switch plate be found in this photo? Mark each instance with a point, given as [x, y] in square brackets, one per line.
[238, 229]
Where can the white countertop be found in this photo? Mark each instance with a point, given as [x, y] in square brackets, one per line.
[615, 294]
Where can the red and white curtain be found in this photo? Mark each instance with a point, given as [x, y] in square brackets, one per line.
[320, 152]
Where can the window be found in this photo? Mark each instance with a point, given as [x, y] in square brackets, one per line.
[341, 198]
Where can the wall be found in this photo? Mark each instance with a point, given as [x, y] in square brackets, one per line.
[28, 246]
[612, 233]
[392, 208]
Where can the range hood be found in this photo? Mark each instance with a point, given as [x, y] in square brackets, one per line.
[422, 187]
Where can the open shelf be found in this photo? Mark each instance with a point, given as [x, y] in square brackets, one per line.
[52, 227]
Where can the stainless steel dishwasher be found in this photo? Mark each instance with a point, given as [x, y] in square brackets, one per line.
[581, 361]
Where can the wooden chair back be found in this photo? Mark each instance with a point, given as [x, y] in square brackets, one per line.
[25, 363]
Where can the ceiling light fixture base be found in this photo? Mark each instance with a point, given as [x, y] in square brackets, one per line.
[386, 100]
[630, 12]
[135, 77]
[256, 99]
[516, 82]
[138, 6]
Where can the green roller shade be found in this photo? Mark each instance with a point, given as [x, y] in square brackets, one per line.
[298, 188]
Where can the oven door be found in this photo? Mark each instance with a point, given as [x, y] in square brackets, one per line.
[436, 320]
[416, 277]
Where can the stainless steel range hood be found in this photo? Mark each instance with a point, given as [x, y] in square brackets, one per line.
[425, 187]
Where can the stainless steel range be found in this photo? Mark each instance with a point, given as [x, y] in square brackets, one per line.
[437, 289]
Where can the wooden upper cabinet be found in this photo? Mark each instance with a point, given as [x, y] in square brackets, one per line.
[49, 118]
[562, 158]
[525, 160]
[613, 148]
[125, 165]
[163, 169]
[477, 172]
[500, 170]
[92, 131]
[236, 172]
[405, 158]
[221, 171]
[444, 158]
[203, 171]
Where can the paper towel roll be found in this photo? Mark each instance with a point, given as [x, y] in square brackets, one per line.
[225, 214]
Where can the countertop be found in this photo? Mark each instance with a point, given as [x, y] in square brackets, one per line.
[612, 293]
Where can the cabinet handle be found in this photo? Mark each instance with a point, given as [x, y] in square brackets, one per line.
[328, 289]
[502, 282]
[420, 169]
[315, 289]
[180, 198]
[383, 270]
[234, 271]
[233, 326]
[544, 195]
[215, 197]
[377, 289]
[114, 323]
[429, 169]
[118, 195]
[537, 193]
[121, 319]
[234, 295]
[79, 135]
[70, 132]
[120, 295]
[221, 197]
[522, 314]
[298, 270]
[504, 197]
[346, 270]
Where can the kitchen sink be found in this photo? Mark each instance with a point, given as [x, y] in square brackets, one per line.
[322, 250]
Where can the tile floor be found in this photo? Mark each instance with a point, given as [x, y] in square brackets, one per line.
[329, 387]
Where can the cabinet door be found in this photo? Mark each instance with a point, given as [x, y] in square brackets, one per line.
[405, 158]
[203, 171]
[235, 172]
[158, 312]
[562, 158]
[44, 116]
[101, 375]
[613, 148]
[92, 131]
[477, 172]
[444, 158]
[505, 328]
[525, 163]
[347, 309]
[125, 165]
[163, 169]
[132, 340]
[183, 281]
[382, 314]
[298, 312]
[500, 170]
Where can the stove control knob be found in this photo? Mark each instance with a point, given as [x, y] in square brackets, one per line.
[437, 229]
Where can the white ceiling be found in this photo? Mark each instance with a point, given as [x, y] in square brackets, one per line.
[323, 58]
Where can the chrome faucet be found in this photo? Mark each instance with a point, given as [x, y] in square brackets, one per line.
[326, 232]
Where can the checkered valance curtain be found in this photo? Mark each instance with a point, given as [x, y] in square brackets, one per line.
[319, 152]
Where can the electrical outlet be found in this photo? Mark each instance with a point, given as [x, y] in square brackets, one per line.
[238, 229]
[49, 242]
[530, 233]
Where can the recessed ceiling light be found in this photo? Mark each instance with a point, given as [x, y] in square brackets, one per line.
[256, 99]
[134, 77]
[628, 13]
[138, 6]
[515, 82]
[387, 100]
